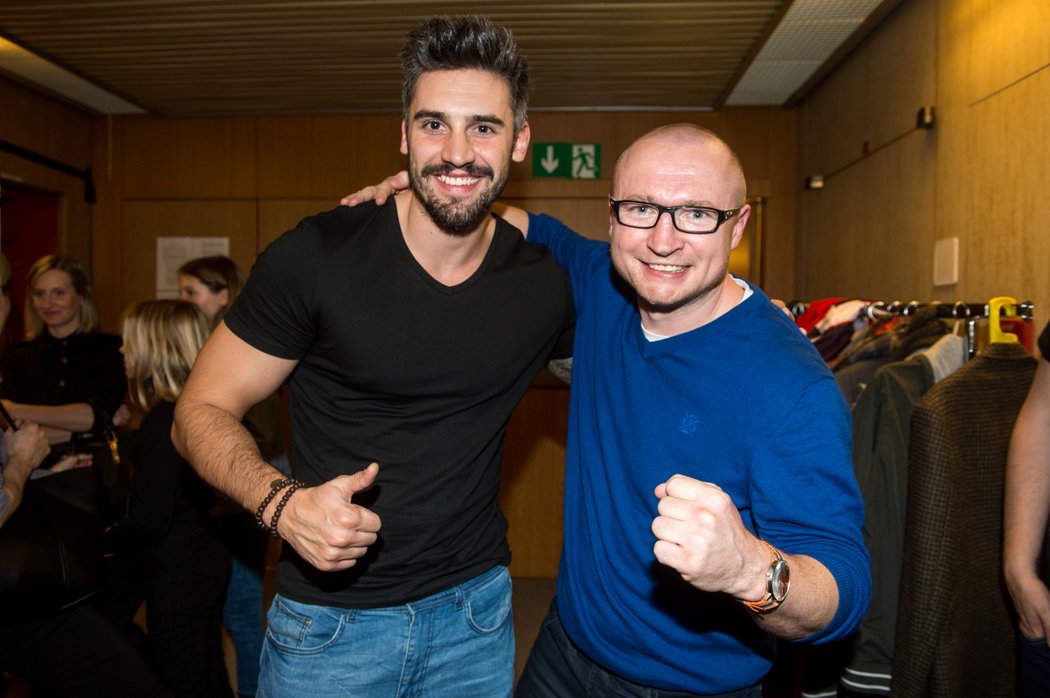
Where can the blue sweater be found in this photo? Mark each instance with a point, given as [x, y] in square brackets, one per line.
[744, 402]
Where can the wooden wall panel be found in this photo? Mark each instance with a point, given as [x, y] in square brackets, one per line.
[187, 158]
[281, 160]
[1008, 249]
[145, 221]
[533, 480]
[779, 183]
[53, 129]
[326, 157]
[976, 176]
[1005, 41]
[832, 239]
[106, 240]
[998, 73]
[277, 216]
[902, 78]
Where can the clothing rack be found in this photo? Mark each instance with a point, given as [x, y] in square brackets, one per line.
[970, 313]
[958, 310]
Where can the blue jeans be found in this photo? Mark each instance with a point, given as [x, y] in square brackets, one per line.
[459, 642]
[243, 617]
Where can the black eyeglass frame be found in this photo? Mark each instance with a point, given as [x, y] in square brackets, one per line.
[723, 216]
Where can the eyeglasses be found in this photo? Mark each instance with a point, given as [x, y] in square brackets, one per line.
[688, 219]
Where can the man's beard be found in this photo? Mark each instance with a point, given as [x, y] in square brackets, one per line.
[456, 217]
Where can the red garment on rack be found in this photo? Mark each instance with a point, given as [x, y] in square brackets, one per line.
[815, 312]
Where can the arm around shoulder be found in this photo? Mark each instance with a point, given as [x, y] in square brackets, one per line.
[518, 217]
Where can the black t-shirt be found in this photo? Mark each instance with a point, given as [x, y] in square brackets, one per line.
[1044, 342]
[83, 367]
[397, 368]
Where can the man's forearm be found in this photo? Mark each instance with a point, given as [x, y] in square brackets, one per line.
[223, 452]
[321, 523]
[1026, 504]
[811, 603]
[1027, 493]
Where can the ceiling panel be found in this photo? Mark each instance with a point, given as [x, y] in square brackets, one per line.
[256, 57]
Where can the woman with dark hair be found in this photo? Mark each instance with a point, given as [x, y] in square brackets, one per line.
[67, 371]
[212, 284]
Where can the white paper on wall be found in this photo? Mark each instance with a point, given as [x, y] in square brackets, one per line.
[173, 252]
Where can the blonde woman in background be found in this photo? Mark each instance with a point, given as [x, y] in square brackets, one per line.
[66, 371]
[184, 565]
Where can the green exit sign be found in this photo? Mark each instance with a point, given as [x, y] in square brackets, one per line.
[567, 160]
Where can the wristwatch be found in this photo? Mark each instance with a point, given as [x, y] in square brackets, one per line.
[778, 580]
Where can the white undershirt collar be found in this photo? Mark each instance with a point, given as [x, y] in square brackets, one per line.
[748, 292]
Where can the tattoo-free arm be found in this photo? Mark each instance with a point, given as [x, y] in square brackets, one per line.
[1027, 507]
[321, 523]
[228, 377]
[700, 535]
[75, 416]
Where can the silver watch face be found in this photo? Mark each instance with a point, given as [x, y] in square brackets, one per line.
[779, 580]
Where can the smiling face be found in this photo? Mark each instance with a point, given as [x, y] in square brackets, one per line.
[460, 141]
[680, 278]
[57, 303]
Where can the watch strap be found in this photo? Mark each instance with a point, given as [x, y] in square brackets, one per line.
[769, 601]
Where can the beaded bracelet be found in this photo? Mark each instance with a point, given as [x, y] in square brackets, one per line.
[275, 487]
[295, 485]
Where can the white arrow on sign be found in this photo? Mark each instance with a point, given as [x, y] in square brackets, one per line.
[549, 162]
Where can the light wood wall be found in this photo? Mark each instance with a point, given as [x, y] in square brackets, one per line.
[978, 175]
[252, 179]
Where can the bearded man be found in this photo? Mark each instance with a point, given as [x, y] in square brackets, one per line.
[409, 332]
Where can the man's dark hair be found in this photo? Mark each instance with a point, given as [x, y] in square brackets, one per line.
[457, 43]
